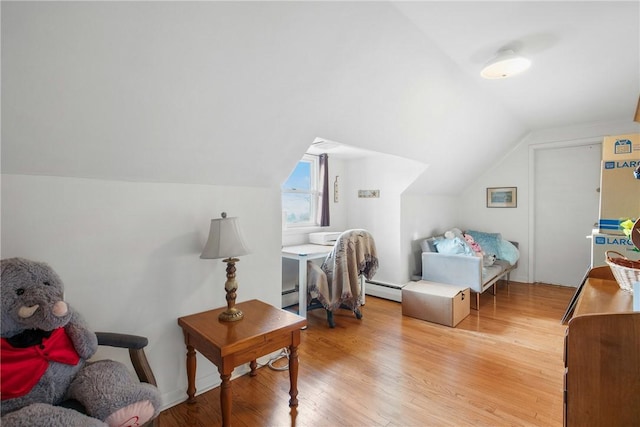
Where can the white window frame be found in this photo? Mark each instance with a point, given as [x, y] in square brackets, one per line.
[313, 191]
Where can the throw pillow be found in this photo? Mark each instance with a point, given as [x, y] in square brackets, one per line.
[429, 245]
[508, 252]
[453, 246]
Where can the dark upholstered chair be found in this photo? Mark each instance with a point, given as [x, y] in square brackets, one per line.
[135, 344]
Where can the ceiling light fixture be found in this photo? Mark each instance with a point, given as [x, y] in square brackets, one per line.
[505, 64]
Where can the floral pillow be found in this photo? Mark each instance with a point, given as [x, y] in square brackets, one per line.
[494, 244]
[489, 242]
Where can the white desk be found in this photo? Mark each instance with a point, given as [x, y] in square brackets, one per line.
[303, 253]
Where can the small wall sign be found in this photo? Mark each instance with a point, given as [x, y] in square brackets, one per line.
[367, 194]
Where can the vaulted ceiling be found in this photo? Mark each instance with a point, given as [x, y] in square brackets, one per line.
[233, 93]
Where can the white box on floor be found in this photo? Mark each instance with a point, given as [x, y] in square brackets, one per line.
[436, 302]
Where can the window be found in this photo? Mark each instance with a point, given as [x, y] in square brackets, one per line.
[300, 194]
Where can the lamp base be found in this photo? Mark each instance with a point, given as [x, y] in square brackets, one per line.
[231, 315]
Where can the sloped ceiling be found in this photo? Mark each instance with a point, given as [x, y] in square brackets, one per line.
[233, 93]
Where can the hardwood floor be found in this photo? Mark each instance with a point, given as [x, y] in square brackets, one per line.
[501, 366]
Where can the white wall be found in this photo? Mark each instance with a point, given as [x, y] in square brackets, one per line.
[423, 216]
[514, 169]
[128, 253]
[199, 92]
[382, 216]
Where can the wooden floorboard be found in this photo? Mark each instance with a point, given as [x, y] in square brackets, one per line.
[501, 366]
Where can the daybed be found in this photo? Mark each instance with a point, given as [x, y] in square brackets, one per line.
[453, 260]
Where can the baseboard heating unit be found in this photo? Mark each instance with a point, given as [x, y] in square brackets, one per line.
[384, 290]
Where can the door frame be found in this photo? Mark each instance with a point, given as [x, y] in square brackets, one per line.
[532, 187]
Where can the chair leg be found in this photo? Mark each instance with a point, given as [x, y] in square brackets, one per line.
[330, 320]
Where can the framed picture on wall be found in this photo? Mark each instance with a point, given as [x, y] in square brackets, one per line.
[502, 197]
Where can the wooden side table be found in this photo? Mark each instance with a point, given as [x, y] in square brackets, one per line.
[263, 330]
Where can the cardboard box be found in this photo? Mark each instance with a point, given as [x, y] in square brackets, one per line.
[601, 243]
[621, 147]
[436, 302]
[619, 194]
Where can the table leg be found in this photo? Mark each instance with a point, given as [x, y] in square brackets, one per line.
[302, 286]
[191, 374]
[293, 375]
[253, 365]
[225, 398]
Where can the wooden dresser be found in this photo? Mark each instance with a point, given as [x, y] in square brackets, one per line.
[602, 356]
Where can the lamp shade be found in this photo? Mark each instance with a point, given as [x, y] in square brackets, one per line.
[637, 116]
[505, 64]
[225, 239]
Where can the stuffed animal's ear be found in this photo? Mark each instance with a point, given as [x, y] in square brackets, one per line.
[6, 264]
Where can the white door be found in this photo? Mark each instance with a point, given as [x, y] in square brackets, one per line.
[566, 207]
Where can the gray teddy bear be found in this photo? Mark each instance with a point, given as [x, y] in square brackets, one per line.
[45, 345]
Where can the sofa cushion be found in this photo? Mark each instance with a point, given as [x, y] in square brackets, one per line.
[492, 271]
[504, 265]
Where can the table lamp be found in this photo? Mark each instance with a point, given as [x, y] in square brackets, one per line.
[226, 241]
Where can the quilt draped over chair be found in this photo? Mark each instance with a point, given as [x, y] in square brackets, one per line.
[336, 284]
